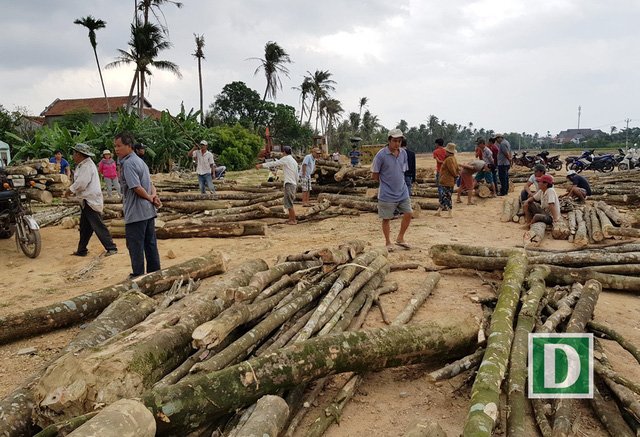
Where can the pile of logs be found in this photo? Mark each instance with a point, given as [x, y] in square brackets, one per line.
[196, 359]
[618, 188]
[543, 310]
[48, 181]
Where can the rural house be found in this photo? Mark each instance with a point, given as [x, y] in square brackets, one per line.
[96, 106]
[578, 135]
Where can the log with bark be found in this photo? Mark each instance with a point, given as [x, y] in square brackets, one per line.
[123, 418]
[47, 217]
[41, 196]
[196, 206]
[609, 415]
[535, 235]
[457, 367]
[485, 394]
[596, 228]
[211, 230]
[352, 173]
[610, 211]
[267, 419]
[560, 230]
[45, 319]
[611, 231]
[581, 238]
[360, 204]
[185, 405]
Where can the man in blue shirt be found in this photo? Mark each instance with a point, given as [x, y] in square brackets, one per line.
[580, 187]
[355, 155]
[388, 168]
[64, 164]
[139, 203]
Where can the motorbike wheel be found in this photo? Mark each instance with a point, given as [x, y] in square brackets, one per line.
[623, 166]
[607, 167]
[28, 240]
[556, 165]
[575, 167]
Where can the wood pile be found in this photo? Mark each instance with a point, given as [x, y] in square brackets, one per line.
[568, 308]
[253, 331]
[48, 182]
[619, 188]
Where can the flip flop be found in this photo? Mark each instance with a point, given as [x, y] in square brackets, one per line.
[390, 248]
[404, 245]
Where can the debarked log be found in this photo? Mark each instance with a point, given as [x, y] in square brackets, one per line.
[124, 418]
[196, 206]
[186, 405]
[611, 231]
[44, 319]
[212, 230]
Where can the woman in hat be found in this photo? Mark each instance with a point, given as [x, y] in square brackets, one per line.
[448, 174]
[107, 168]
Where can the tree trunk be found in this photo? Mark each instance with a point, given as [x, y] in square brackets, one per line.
[616, 336]
[187, 404]
[535, 234]
[361, 205]
[65, 427]
[627, 398]
[596, 229]
[242, 209]
[211, 230]
[565, 308]
[577, 324]
[519, 352]
[609, 415]
[40, 195]
[610, 231]
[45, 319]
[45, 218]
[352, 173]
[416, 302]
[581, 238]
[196, 206]
[126, 365]
[123, 418]
[568, 275]
[610, 211]
[485, 394]
[268, 418]
[457, 367]
[560, 230]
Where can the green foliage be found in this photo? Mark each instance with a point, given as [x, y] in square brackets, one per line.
[237, 103]
[235, 146]
[75, 120]
[8, 123]
[285, 128]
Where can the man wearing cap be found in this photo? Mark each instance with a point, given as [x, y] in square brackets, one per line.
[107, 168]
[307, 168]
[140, 150]
[290, 170]
[205, 166]
[388, 168]
[139, 203]
[580, 187]
[548, 210]
[86, 187]
[504, 163]
[532, 186]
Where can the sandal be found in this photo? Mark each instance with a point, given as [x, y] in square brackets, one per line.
[390, 248]
[404, 245]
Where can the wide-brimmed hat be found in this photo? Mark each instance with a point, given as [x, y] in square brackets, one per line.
[106, 152]
[451, 148]
[395, 133]
[83, 149]
[547, 179]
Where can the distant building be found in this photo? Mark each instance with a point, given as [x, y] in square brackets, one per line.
[578, 135]
[97, 107]
[28, 125]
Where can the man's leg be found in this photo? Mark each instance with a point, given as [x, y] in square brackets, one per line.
[98, 226]
[209, 181]
[151, 246]
[404, 225]
[108, 184]
[116, 184]
[386, 231]
[86, 231]
[134, 234]
[292, 216]
[201, 183]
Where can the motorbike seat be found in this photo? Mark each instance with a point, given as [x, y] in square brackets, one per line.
[7, 195]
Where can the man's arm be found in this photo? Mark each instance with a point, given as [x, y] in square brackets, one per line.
[304, 170]
[190, 152]
[375, 176]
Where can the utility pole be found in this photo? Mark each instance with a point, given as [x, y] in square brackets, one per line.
[579, 111]
[626, 133]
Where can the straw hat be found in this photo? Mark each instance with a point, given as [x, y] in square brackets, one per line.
[451, 148]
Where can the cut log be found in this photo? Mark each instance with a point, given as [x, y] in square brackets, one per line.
[560, 230]
[243, 384]
[604, 221]
[211, 230]
[611, 212]
[197, 206]
[573, 224]
[352, 173]
[126, 365]
[565, 308]
[267, 419]
[361, 205]
[518, 369]
[567, 276]
[596, 228]
[457, 367]
[610, 231]
[612, 334]
[48, 217]
[124, 418]
[507, 211]
[582, 313]
[39, 195]
[416, 302]
[66, 426]
[23, 170]
[485, 394]
[535, 234]
[607, 411]
[627, 398]
[44, 319]
[581, 238]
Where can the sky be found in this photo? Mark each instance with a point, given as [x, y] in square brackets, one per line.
[505, 65]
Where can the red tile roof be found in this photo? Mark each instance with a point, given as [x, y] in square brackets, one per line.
[96, 105]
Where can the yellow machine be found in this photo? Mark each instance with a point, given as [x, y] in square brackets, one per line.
[369, 152]
[320, 141]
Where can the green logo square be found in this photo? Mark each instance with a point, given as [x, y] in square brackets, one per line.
[561, 366]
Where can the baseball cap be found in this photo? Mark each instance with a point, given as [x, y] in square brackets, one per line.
[204, 143]
[395, 133]
[547, 179]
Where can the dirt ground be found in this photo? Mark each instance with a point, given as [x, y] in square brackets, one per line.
[389, 401]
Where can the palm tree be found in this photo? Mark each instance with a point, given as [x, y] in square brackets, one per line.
[306, 89]
[153, 6]
[273, 63]
[332, 109]
[199, 54]
[363, 102]
[94, 24]
[145, 43]
[322, 84]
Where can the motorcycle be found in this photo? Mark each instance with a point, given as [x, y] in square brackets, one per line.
[589, 161]
[15, 214]
[552, 162]
[630, 160]
[526, 161]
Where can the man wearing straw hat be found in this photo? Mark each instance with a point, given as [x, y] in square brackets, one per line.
[388, 168]
[86, 187]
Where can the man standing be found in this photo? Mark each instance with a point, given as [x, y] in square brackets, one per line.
[205, 166]
[139, 204]
[306, 170]
[355, 155]
[504, 163]
[86, 187]
[388, 168]
[410, 174]
[63, 163]
[290, 170]
[140, 150]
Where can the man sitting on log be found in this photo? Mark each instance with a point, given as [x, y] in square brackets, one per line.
[290, 169]
[86, 187]
[538, 171]
[580, 187]
[548, 210]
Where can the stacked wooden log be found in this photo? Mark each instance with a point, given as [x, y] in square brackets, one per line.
[251, 332]
[47, 180]
[618, 188]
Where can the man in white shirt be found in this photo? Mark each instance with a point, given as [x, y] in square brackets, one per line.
[205, 166]
[86, 187]
[290, 168]
[548, 210]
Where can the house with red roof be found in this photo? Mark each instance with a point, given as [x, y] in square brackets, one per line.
[97, 107]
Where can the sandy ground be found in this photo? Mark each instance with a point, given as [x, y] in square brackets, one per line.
[388, 401]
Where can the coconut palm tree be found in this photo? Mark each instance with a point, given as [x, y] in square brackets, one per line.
[273, 64]
[145, 44]
[322, 84]
[199, 54]
[332, 109]
[93, 24]
[363, 102]
[153, 6]
[306, 90]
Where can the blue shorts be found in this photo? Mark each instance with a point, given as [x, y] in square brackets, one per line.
[485, 175]
[386, 210]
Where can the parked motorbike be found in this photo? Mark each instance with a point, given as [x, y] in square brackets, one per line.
[630, 160]
[526, 161]
[552, 162]
[589, 161]
[15, 214]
